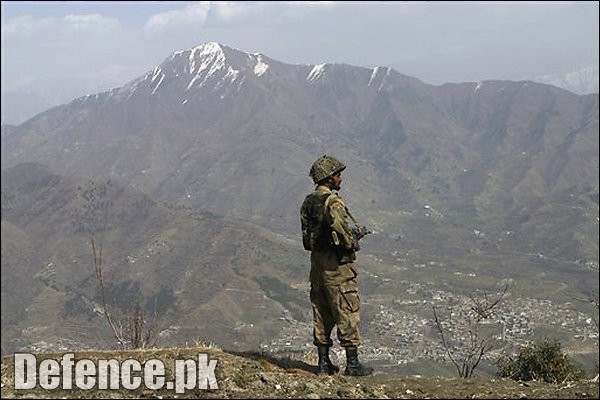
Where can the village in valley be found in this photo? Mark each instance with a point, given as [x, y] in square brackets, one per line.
[400, 331]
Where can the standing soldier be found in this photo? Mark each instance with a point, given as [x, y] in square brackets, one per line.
[331, 234]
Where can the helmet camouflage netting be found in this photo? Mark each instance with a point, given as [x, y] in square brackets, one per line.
[324, 167]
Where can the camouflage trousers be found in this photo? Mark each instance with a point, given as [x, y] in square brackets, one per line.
[336, 305]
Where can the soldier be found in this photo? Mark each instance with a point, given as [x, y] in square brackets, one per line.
[331, 234]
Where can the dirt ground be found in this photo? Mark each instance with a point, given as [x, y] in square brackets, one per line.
[255, 376]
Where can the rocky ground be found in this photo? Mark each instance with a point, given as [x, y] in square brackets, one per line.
[244, 375]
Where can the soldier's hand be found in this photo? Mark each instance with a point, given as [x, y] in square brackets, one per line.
[359, 232]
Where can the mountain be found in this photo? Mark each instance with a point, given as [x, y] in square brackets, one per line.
[249, 127]
[581, 81]
[204, 161]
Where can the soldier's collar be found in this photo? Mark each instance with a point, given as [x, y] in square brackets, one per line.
[325, 189]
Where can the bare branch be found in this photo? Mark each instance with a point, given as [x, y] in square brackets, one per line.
[134, 331]
[98, 263]
[468, 348]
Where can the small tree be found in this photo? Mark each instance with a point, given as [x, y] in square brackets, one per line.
[542, 362]
[134, 331]
[461, 332]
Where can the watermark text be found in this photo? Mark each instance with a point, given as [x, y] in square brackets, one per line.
[112, 374]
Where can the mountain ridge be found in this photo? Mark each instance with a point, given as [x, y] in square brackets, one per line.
[580, 81]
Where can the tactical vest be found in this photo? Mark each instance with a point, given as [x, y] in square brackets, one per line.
[316, 230]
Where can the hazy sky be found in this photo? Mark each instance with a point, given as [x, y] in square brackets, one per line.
[53, 52]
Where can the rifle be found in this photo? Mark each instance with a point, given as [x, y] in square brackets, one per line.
[358, 232]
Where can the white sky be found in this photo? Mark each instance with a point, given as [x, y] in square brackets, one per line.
[53, 52]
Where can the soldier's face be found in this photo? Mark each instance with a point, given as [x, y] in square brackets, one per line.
[336, 181]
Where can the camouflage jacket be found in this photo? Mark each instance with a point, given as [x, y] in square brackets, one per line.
[325, 224]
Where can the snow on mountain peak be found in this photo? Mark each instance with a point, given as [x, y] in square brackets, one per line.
[261, 67]
[581, 81]
[316, 72]
[208, 55]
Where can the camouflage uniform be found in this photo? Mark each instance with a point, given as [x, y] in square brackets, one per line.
[333, 243]
[334, 290]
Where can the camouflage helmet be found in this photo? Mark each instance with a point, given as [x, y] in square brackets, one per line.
[324, 167]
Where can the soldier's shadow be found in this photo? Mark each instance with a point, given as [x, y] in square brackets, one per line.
[286, 362]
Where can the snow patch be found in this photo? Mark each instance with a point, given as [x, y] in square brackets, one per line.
[317, 71]
[260, 68]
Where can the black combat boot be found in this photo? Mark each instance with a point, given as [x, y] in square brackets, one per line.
[353, 366]
[326, 367]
